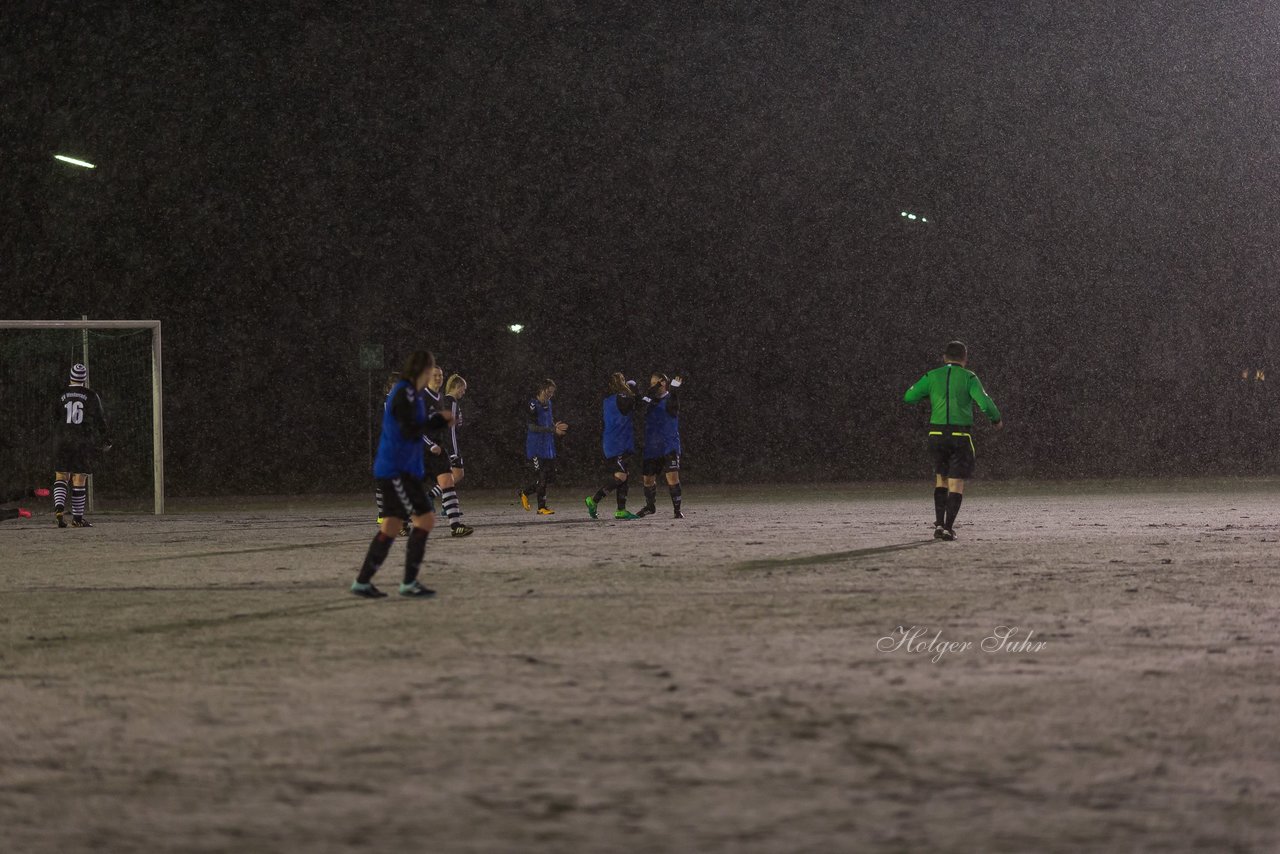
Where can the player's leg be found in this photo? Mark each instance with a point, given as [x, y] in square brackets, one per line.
[449, 501]
[536, 464]
[624, 487]
[424, 519]
[939, 504]
[955, 496]
[940, 454]
[79, 497]
[649, 478]
[613, 468]
[60, 481]
[393, 516]
[547, 474]
[673, 483]
[959, 469]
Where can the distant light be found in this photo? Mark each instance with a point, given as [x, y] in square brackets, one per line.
[911, 216]
[517, 328]
[904, 213]
[65, 159]
[924, 219]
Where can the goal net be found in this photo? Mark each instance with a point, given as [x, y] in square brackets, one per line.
[123, 358]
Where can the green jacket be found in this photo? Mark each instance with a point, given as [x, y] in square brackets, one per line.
[952, 391]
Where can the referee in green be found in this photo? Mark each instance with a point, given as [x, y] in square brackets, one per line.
[952, 390]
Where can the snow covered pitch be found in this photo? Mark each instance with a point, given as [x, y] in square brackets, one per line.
[785, 670]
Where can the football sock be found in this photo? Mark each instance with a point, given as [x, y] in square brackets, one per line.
[377, 554]
[675, 497]
[414, 553]
[953, 507]
[78, 494]
[940, 504]
[609, 486]
[650, 495]
[542, 492]
[622, 495]
[449, 498]
[59, 494]
[437, 494]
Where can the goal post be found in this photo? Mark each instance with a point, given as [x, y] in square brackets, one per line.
[68, 348]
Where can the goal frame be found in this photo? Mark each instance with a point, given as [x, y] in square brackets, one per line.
[157, 383]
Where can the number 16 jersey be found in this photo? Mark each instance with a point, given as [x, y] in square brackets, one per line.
[80, 417]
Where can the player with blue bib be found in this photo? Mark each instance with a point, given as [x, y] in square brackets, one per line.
[401, 476]
[541, 430]
[619, 442]
[661, 441]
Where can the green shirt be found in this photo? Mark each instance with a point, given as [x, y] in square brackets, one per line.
[952, 391]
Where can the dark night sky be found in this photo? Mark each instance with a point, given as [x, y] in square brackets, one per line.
[712, 190]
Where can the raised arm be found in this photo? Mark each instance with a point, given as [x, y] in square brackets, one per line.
[673, 401]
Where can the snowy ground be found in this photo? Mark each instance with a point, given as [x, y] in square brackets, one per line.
[204, 682]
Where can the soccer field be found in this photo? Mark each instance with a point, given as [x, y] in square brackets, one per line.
[204, 681]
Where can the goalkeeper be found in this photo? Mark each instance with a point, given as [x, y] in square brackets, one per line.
[80, 433]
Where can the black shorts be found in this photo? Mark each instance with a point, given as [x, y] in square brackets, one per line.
[72, 456]
[404, 498]
[543, 468]
[953, 453]
[436, 464]
[620, 463]
[655, 465]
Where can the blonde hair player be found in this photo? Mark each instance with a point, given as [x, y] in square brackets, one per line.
[447, 483]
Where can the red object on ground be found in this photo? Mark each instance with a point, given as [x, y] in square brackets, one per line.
[41, 493]
[24, 513]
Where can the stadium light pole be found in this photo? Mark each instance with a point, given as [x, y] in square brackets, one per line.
[83, 164]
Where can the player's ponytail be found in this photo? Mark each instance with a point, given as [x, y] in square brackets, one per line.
[618, 384]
